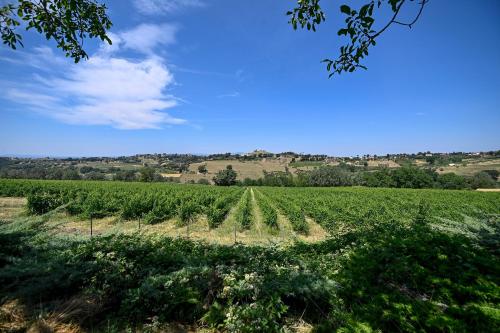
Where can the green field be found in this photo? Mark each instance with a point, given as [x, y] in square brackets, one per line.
[298, 164]
[258, 259]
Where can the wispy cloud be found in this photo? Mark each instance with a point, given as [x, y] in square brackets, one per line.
[42, 58]
[159, 7]
[420, 114]
[232, 94]
[241, 75]
[145, 37]
[176, 68]
[107, 89]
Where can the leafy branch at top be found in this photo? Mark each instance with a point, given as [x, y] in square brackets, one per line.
[68, 22]
[307, 14]
[359, 29]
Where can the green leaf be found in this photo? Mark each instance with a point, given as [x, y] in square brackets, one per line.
[368, 19]
[345, 9]
[364, 10]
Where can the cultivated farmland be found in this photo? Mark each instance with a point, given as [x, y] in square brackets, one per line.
[256, 259]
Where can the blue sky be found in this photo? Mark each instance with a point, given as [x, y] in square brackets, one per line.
[205, 76]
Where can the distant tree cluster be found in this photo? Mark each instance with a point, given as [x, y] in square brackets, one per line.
[55, 170]
[225, 177]
[149, 175]
[309, 157]
[203, 169]
[405, 177]
[38, 172]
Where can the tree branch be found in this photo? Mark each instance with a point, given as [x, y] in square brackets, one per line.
[390, 22]
[422, 5]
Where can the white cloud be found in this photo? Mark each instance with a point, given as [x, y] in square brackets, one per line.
[115, 46]
[146, 37]
[158, 7]
[106, 89]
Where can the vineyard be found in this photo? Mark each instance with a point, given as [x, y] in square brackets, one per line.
[332, 208]
[388, 259]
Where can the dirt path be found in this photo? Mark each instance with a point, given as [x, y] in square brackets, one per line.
[257, 215]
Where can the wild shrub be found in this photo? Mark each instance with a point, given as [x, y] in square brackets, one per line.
[260, 316]
[382, 278]
[175, 296]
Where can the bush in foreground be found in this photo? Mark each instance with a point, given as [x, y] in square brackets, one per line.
[383, 276]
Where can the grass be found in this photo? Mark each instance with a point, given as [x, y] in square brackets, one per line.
[11, 207]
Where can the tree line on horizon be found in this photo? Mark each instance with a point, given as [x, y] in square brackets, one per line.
[404, 177]
[324, 176]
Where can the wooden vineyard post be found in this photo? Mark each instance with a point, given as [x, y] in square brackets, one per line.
[235, 233]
